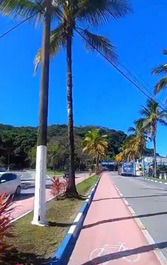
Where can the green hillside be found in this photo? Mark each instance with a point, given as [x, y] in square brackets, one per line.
[18, 146]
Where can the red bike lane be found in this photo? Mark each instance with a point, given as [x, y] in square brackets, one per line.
[110, 234]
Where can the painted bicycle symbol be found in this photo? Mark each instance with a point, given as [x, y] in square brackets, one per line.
[110, 249]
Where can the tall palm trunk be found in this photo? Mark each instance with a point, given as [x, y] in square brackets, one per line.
[71, 190]
[39, 217]
[97, 163]
[155, 157]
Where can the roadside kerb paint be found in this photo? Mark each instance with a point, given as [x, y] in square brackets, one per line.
[156, 181]
[64, 251]
[160, 256]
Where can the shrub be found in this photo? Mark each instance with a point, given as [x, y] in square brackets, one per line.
[58, 187]
[5, 219]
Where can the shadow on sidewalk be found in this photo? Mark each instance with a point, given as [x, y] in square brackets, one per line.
[126, 253]
[23, 196]
[123, 218]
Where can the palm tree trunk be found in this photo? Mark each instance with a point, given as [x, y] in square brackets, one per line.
[39, 217]
[71, 189]
[8, 160]
[97, 164]
[155, 158]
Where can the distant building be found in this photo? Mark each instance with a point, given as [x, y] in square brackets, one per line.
[160, 160]
[110, 165]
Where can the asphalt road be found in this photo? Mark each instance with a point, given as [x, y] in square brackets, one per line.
[149, 201]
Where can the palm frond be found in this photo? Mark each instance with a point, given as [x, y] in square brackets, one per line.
[163, 122]
[99, 11]
[163, 114]
[132, 129]
[23, 8]
[57, 41]
[144, 111]
[100, 43]
[139, 123]
[160, 69]
[160, 85]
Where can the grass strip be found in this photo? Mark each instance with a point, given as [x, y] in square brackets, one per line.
[33, 245]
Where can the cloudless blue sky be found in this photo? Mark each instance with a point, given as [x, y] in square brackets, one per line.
[101, 95]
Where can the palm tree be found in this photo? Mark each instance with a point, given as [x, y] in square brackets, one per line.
[71, 16]
[96, 145]
[152, 116]
[31, 9]
[134, 145]
[161, 69]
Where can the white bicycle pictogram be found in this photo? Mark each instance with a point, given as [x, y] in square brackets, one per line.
[110, 249]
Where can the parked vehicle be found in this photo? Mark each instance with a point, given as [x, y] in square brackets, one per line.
[10, 183]
[66, 176]
[127, 169]
[2, 169]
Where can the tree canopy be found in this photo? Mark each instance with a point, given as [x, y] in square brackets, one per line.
[18, 146]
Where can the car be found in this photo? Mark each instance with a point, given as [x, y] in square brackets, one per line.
[10, 183]
[2, 169]
[66, 176]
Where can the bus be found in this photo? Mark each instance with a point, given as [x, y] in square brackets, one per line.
[126, 169]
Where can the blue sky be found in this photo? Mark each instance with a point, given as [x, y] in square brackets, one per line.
[101, 95]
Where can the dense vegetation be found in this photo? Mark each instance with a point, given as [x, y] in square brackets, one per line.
[18, 146]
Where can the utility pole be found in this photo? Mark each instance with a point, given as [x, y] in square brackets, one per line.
[41, 155]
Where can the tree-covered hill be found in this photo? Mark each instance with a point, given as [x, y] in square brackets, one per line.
[18, 145]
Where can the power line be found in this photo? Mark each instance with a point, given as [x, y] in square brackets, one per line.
[130, 79]
[16, 26]
[140, 80]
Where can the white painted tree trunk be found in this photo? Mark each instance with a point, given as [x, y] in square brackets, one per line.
[40, 181]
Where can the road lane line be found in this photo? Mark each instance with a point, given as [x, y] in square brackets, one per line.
[160, 256]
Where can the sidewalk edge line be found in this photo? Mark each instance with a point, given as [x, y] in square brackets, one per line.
[29, 211]
[158, 253]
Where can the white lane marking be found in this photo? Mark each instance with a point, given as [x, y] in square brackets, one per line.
[20, 216]
[160, 256]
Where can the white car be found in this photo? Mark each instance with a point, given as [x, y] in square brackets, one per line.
[10, 183]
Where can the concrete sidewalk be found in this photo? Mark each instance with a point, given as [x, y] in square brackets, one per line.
[110, 234]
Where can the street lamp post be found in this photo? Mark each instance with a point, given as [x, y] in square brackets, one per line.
[39, 217]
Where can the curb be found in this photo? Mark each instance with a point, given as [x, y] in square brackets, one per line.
[156, 181]
[63, 253]
[158, 253]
